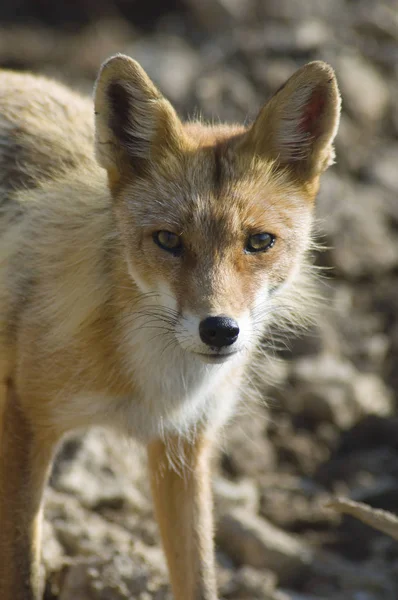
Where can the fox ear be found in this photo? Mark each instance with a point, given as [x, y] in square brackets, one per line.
[133, 121]
[298, 125]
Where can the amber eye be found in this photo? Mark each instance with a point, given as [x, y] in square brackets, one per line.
[171, 242]
[259, 242]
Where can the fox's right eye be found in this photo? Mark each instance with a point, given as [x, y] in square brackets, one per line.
[169, 241]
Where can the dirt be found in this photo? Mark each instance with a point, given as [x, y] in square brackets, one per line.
[327, 424]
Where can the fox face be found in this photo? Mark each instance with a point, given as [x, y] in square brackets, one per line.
[215, 220]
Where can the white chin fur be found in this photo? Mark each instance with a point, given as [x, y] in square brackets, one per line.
[216, 359]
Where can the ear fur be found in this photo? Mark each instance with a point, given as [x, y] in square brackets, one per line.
[298, 125]
[133, 121]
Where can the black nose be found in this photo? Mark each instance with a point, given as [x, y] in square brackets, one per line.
[218, 331]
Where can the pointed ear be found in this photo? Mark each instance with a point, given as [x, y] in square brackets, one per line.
[134, 123]
[298, 125]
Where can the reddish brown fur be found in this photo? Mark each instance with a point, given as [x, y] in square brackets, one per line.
[79, 269]
[213, 210]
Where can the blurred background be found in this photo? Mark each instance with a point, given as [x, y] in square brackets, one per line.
[331, 425]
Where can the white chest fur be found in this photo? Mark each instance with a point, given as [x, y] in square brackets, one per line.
[175, 393]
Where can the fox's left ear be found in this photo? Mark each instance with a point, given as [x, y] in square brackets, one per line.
[134, 123]
[298, 125]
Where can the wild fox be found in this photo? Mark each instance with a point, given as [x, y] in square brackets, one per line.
[142, 260]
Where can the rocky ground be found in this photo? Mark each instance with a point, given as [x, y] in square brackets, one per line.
[330, 426]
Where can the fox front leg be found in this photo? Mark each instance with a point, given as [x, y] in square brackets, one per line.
[25, 457]
[183, 507]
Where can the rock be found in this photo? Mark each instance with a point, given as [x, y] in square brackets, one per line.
[384, 168]
[270, 75]
[312, 34]
[354, 147]
[172, 63]
[330, 389]
[249, 583]
[295, 504]
[52, 550]
[228, 91]
[253, 541]
[298, 450]
[296, 596]
[295, 11]
[83, 532]
[322, 390]
[117, 578]
[240, 494]
[372, 396]
[248, 451]
[274, 37]
[394, 116]
[356, 229]
[100, 474]
[364, 90]
[215, 15]
[365, 580]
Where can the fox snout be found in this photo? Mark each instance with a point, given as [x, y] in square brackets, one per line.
[214, 338]
[219, 331]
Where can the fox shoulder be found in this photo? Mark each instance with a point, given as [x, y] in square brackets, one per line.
[44, 127]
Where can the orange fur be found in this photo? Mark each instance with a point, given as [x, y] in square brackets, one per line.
[100, 325]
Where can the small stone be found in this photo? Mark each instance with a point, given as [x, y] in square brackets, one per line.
[253, 541]
[240, 494]
[312, 34]
[99, 474]
[356, 229]
[255, 584]
[248, 451]
[372, 396]
[365, 92]
[228, 92]
[384, 168]
[171, 62]
[331, 389]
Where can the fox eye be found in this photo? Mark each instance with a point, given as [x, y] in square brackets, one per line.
[169, 241]
[259, 242]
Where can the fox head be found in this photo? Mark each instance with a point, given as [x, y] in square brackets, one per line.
[215, 220]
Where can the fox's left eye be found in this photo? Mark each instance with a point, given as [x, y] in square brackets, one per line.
[259, 242]
[167, 240]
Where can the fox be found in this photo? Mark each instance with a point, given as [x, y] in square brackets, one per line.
[143, 260]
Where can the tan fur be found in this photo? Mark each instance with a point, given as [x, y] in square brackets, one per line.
[99, 325]
[184, 514]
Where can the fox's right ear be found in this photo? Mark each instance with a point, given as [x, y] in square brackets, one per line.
[134, 123]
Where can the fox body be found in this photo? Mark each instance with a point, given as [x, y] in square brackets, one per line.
[142, 260]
